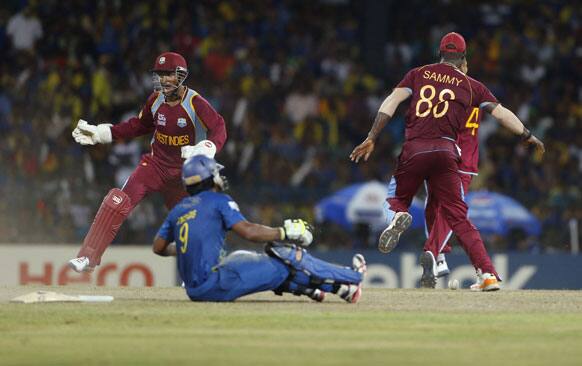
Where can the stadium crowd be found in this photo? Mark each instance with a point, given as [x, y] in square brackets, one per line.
[290, 79]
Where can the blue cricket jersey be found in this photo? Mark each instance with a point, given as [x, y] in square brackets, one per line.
[198, 225]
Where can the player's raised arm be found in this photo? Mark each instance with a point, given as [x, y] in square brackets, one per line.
[509, 120]
[385, 113]
[140, 125]
[89, 134]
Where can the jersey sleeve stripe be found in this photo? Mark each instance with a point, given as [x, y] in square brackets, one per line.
[484, 104]
[470, 89]
[188, 105]
[157, 103]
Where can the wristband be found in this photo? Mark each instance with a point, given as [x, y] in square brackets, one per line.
[525, 135]
[282, 233]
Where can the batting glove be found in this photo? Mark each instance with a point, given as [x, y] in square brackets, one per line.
[298, 231]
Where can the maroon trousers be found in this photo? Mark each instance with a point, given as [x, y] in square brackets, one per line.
[437, 227]
[148, 177]
[436, 162]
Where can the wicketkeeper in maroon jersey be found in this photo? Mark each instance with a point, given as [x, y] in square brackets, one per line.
[183, 124]
[438, 230]
[441, 96]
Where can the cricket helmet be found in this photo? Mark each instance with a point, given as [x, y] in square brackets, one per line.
[169, 62]
[201, 172]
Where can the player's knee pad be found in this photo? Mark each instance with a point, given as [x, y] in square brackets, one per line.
[306, 270]
[283, 252]
[112, 213]
[117, 201]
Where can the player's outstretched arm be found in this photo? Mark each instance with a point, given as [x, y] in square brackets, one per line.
[385, 113]
[296, 230]
[509, 120]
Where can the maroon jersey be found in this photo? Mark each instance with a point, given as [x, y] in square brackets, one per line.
[443, 99]
[187, 123]
[468, 142]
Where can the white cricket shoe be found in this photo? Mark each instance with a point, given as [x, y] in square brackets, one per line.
[390, 236]
[485, 282]
[442, 269]
[81, 264]
[429, 270]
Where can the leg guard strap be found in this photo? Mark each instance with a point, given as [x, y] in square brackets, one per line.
[308, 271]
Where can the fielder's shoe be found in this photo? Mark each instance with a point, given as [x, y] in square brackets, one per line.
[477, 285]
[441, 266]
[81, 264]
[485, 282]
[429, 270]
[391, 235]
[317, 295]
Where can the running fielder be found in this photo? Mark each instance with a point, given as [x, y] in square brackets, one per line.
[438, 230]
[441, 97]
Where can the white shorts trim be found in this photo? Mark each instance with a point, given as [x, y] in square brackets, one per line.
[468, 173]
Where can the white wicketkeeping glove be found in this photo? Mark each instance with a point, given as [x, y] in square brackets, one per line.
[298, 231]
[204, 147]
[86, 134]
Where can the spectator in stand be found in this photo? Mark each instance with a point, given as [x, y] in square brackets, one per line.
[24, 29]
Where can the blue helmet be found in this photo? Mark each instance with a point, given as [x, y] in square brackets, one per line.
[200, 168]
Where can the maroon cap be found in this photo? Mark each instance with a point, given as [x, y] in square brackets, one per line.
[169, 61]
[453, 42]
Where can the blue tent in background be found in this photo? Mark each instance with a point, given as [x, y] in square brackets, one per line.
[494, 213]
[362, 203]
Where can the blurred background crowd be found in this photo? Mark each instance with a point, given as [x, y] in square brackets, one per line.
[298, 82]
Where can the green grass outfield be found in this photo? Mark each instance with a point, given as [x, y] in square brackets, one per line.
[156, 326]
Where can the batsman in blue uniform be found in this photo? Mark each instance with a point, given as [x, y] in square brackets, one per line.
[195, 231]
